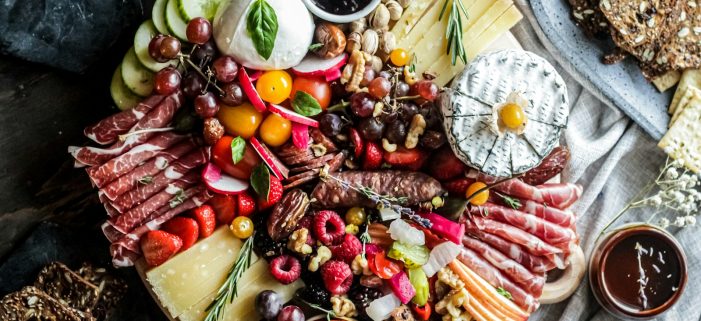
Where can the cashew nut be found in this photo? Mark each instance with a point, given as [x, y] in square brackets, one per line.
[416, 129]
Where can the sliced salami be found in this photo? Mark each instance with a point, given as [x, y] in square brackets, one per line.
[319, 138]
[550, 167]
[107, 130]
[314, 164]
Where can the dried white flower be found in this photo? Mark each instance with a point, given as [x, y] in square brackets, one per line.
[664, 222]
[655, 200]
[671, 173]
[690, 220]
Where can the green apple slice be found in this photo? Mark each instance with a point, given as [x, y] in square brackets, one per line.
[136, 76]
[122, 96]
[143, 37]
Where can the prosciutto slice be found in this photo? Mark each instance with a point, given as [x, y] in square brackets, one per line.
[107, 130]
[477, 224]
[546, 231]
[158, 117]
[130, 180]
[497, 279]
[560, 195]
[536, 264]
[175, 171]
[171, 195]
[530, 282]
[130, 242]
[122, 164]
[553, 215]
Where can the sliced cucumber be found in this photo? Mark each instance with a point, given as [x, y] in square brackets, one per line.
[122, 96]
[136, 76]
[191, 9]
[143, 37]
[176, 24]
[158, 14]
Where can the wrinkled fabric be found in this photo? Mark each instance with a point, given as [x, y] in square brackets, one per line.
[613, 159]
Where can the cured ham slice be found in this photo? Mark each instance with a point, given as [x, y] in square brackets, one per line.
[122, 257]
[107, 130]
[546, 231]
[530, 282]
[477, 224]
[130, 180]
[497, 279]
[172, 195]
[175, 171]
[560, 195]
[122, 164]
[536, 264]
[158, 117]
[553, 215]
[130, 242]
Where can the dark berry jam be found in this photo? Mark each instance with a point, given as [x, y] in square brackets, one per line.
[341, 7]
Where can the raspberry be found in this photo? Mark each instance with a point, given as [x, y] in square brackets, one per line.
[348, 250]
[337, 276]
[329, 227]
[285, 268]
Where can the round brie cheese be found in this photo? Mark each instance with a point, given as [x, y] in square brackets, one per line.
[490, 81]
[294, 36]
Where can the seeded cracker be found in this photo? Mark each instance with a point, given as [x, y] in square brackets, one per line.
[58, 281]
[683, 139]
[588, 16]
[33, 304]
[641, 21]
[111, 289]
[682, 50]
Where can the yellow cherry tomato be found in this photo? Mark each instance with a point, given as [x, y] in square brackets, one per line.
[356, 216]
[242, 227]
[399, 57]
[275, 130]
[481, 197]
[512, 116]
[274, 86]
[241, 120]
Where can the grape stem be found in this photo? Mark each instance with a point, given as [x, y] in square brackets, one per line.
[184, 59]
[144, 131]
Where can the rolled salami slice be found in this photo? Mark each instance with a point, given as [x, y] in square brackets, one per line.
[158, 117]
[107, 130]
[122, 164]
[175, 171]
[530, 282]
[536, 264]
[146, 171]
[560, 195]
[546, 231]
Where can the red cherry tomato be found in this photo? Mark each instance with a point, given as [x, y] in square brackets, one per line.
[221, 156]
[382, 266]
[316, 87]
[423, 312]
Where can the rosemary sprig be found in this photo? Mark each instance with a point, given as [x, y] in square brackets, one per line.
[453, 32]
[229, 290]
[178, 199]
[512, 202]
[329, 314]
[145, 180]
[504, 293]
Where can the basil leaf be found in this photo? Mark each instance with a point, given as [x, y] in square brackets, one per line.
[238, 149]
[305, 104]
[262, 26]
[260, 180]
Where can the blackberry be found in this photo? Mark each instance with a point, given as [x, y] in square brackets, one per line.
[315, 293]
[361, 297]
[266, 247]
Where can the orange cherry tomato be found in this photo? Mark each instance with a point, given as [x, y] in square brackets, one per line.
[481, 197]
[274, 86]
[221, 156]
[382, 266]
[275, 130]
[241, 120]
[315, 86]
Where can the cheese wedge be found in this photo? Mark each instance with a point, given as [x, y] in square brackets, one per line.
[690, 78]
[690, 93]
[444, 68]
[417, 11]
[683, 139]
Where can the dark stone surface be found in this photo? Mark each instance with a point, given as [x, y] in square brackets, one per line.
[66, 34]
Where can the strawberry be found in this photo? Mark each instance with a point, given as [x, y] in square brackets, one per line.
[445, 165]
[373, 156]
[225, 207]
[206, 219]
[412, 159]
[246, 204]
[458, 186]
[274, 195]
[185, 228]
[159, 246]
[357, 141]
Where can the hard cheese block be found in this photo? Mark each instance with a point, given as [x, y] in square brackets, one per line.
[683, 140]
[411, 16]
[190, 276]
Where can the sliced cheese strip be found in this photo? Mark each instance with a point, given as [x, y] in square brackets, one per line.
[415, 13]
[523, 156]
[690, 93]
[690, 78]
[444, 68]
[683, 139]
[499, 160]
[542, 137]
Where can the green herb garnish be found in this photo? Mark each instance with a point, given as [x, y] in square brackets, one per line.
[305, 104]
[145, 180]
[512, 202]
[179, 198]
[262, 26]
[238, 149]
[260, 180]
[315, 46]
[504, 293]
[453, 32]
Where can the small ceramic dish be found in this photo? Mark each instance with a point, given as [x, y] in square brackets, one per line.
[325, 15]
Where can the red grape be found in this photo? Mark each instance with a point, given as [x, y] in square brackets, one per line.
[362, 104]
[170, 47]
[193, 85]
[199, 30]
[379, 87]
[371, 128]
[167, 81]
[426, 89]
[225, 69]
[204, 52]
[291, 313]
[368, 76]
[401, 89]
[206, 105]
[233, 94]
[154, 48]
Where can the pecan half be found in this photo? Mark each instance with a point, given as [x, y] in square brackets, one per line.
[287, 213]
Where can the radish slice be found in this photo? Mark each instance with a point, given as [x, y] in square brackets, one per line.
[279, 170]
[446, 228]
[250, 90]
[300, 135]
[292, 116]
[256, 75]
[221, 183]
[313, 66]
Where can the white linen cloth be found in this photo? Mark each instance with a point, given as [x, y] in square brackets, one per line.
[613, 159]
